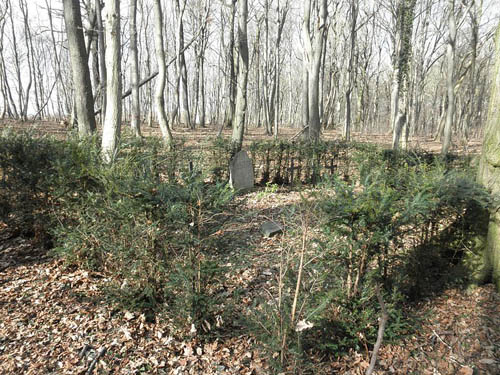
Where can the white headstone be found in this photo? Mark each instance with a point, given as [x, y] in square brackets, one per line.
[241, 171]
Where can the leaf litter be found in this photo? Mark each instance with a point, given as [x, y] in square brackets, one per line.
[56, 320]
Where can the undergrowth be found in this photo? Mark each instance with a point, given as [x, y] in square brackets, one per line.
[144, 225]
[400, 225]
[147, 223]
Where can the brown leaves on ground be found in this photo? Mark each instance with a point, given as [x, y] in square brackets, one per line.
[55, 320]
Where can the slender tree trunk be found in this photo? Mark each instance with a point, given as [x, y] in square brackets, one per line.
[162, 75]
[232, 69]
[102, 55]
[29, 57]
[79, 67]
[135, 121]
[185, 116]
[350, 71]
[450, 76]
[241, 96]
[112, 118]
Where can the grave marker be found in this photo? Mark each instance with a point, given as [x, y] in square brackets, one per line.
[241, 172]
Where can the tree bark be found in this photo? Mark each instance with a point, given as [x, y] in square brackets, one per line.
[112, 118]
[450, 76]
[401, 57]
[135, 121]
[241, 96]
[489, 172]
[79, 68]
[313, 52]
[162, 75]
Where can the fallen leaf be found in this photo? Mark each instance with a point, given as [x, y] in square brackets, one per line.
[303, 325]
[466, 370]
[127, 334]
[487, 361]
[129, 315]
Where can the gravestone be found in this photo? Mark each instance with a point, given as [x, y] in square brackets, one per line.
[270, 228]
[241, 171]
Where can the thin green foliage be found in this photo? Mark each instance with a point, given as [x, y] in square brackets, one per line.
[143, 224]
[395, 215]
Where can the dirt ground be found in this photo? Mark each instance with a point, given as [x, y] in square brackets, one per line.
[193, 137]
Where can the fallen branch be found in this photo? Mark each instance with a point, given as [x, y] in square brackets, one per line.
[380, 335]
[99, 354]
[84, 351]
[300, 132]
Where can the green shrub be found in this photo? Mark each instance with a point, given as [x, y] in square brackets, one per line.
[26, 168]
[144, 221]
[398, 220]
[149, 233]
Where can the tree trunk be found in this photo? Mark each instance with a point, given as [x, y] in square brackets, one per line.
[229, 115]
[241, 96]
[102, 55]
[79, 68]
[162, 76]
[401, 57]
[350, 71]
[450, 76]
[135, 120]
[112, 118]
[185, 116]
[489, 172]
[313, 51]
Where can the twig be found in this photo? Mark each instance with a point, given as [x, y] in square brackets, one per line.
[380, 335]
[84, 351]
[300, 132]
[99, 354]
[301, 266]
[440, 339]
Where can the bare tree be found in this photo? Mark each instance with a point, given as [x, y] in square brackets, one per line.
[241, 96]
[354, 9]
[112, 118]
[450, 75]
[102, 55]
[231, 77]
[80, 70]
[135, 121]
[313, 38]
[3, 83]
[185, 116]
[200, 19]
[162, 75]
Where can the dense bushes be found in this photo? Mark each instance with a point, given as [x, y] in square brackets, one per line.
[286, 162]
[398, 221]
[400, 224]
[142, 225]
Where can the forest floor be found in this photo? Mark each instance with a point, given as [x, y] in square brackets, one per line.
[56, 320]
[194, 137]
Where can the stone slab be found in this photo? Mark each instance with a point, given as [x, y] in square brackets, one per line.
[241, 171]
[270, 228]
